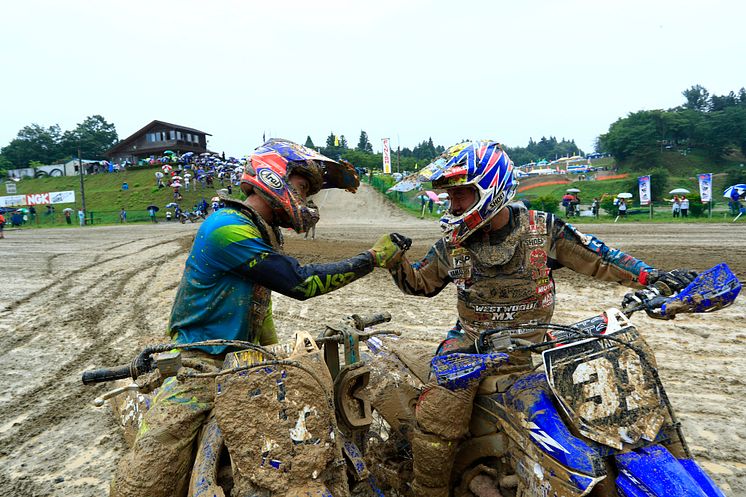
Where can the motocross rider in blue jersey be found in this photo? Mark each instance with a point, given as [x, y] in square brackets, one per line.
[500, 256]
[235, 262]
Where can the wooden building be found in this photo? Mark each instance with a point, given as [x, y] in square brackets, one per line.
[154, 139]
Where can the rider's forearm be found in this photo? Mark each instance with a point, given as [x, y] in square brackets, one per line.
[588, 255]
[284, 274]
[425, 278]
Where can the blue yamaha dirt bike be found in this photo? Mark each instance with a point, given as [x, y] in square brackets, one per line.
[596, 421]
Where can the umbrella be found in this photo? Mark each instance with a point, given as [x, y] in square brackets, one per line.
[739, 189]
[575, 190]
[443, 196]
[176, 184]
[215, 199]
[166, 168]
[205, 154]
[169, 152]
[432, 196]
[176, 178]
[679, 191]
[171, 205]
[153, 207]
[624, 195]
[67, 209]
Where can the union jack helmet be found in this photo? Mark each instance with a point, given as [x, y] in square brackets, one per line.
[485, 166]
[268, 170]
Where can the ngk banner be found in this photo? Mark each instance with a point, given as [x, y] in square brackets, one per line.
[644, 183]
[67, 197]
[705, 187]
[386, 156]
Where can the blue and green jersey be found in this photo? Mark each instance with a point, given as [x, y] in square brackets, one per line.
[228, 262]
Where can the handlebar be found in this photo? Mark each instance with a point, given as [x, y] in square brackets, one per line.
[711, 290]
[107, 374]
[366, 321]
[144, 363]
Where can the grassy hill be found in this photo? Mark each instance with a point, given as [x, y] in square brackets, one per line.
[104, 195]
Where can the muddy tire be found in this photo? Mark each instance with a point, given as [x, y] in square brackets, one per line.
[388, 455]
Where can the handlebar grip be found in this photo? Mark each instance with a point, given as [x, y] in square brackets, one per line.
[106, 374]
[362, 322]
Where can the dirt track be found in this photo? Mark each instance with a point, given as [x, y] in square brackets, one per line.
[78, 298]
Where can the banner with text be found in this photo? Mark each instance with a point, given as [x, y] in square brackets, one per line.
[386, 156]
[705, 187]
[67, 197]
[644, 183]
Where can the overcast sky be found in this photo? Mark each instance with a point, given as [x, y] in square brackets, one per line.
[407, 70]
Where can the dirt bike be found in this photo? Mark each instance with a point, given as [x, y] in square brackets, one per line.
[318, 412]
[596, 421]
[192, 217]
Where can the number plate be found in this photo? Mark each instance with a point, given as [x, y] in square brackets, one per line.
[606, 389]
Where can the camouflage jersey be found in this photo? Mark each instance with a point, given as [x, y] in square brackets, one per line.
[505, 277]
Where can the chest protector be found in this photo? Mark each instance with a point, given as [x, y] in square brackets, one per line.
[506, 282]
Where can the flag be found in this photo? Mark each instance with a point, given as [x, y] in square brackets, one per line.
[336, 141]
[644, 184]
[386, 156]
[705, 187]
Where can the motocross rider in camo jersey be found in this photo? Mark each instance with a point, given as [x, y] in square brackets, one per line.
[500, 256]
[235, 262]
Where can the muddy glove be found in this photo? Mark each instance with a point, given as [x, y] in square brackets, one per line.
[673, 281]
[387, 248]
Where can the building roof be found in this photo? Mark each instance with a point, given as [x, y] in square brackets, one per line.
[141, 131]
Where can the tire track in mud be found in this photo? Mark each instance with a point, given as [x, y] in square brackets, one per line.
[60, 279]
[89, 318]
[59, 399]
[65, 282]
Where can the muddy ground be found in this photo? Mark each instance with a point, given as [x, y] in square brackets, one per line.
[73, 299]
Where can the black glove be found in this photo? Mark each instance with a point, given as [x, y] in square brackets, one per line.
[673, 281]
[402, 241]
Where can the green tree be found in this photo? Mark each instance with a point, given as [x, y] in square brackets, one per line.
[363, 144]
[309, 143]
[697, 98]
[34, 142]
[94, 136]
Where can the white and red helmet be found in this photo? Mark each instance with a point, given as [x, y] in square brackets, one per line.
[268, 170]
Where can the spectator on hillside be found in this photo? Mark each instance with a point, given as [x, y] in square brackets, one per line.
[684, 206]
[622, 206]
[2, 225]
[68, 217]
[122, 216]
[81, 217]
[595, 207]
[675, 205]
